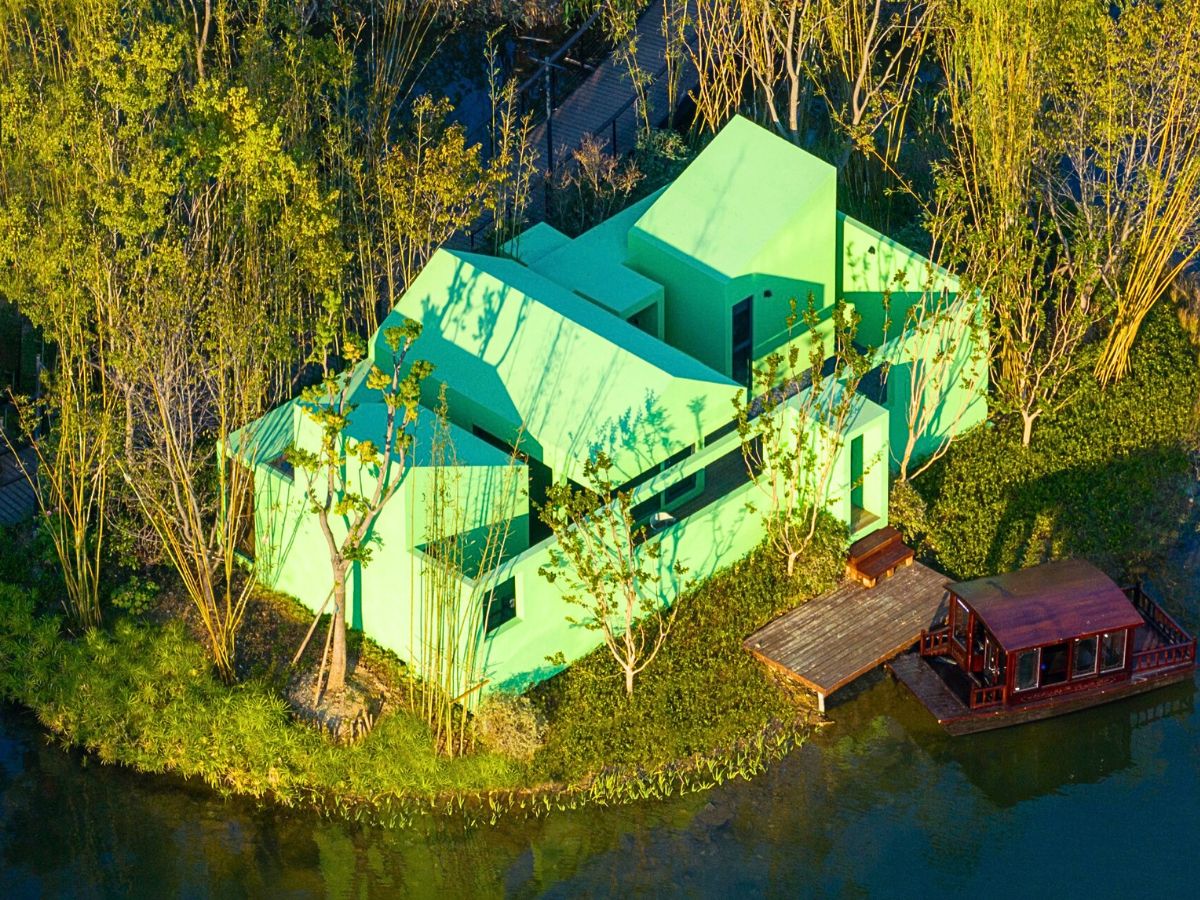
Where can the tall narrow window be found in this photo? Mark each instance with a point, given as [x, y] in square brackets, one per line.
[501, 606]
[857, 475]
[743, 341]
[961, 614]
[1083, 662]
[1054, 664]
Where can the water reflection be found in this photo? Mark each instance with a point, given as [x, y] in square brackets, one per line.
[882, 802]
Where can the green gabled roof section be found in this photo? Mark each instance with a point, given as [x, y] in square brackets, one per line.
[534, 243]
[736, 198]
[593, 265]
[575, 377]
[267, 438]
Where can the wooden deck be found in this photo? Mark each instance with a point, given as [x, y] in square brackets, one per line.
[843, 634]
[17, 501]
[602, 106]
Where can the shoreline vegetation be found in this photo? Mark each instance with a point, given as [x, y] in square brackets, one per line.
[1105, 481]
[142, 694]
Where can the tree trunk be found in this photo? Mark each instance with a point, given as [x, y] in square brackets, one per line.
[1027, 421]
[337, 662]
[791, 563]
[629, 681]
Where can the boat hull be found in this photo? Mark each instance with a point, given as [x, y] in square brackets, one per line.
[956, 718]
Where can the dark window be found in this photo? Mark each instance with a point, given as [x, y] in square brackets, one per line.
[681, 488]
[1084, 663]
[1027, 670]
[993, 661]
[501, 606]
[1054, 663]
[743, 341]
[873, 386]
[281, 465]
[713, 436]
[1112, 651]
[488, 438]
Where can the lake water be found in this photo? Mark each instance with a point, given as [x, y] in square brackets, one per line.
[1104, 802]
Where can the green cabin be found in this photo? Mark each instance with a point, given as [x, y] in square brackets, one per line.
[633, 338]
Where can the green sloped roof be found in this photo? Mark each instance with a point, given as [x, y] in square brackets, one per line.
[269, 436]
[576, 377]
[594, 264]
[735, 198]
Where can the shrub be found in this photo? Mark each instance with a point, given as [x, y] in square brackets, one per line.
[137, 596]
[1101, 479]
[703, 690]
[590, 187]
[510, 725]
[909, 513]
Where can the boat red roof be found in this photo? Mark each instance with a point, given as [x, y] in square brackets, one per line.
[1048, 603]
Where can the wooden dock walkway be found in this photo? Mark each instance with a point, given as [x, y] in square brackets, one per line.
[833, 639]
[17, 501]
[603, 106]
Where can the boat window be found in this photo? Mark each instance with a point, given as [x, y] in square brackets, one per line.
[961, 613]
[1112, 651]
[1027, 670]
[1085, 658]
[1054, 664]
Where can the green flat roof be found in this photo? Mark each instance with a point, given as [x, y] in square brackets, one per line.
[593, 265]
[736, 198]
[577, 378]
[535, 242]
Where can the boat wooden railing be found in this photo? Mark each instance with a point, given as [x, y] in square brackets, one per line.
[1165, 657]
[936, 642]
[1178, 649]
[983, 697]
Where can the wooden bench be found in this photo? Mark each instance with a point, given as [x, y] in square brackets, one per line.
[877, 556]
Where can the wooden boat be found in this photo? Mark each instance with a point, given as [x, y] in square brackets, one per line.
[1041, 642]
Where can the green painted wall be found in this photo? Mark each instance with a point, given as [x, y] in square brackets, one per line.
[778, 247]
[514, 348]
[872, 264]
[695, 304]
[292, 556]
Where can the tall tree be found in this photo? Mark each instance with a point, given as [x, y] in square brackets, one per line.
[611, 569]
[349, 482]
[84, 186]
[1003, 63]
